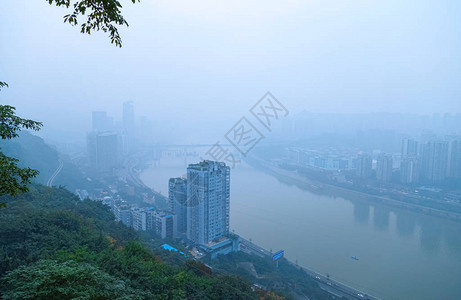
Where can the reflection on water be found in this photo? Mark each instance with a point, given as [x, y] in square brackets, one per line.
[381, 216]
[452, 239]
[406, 224]
[402, 254]
[361, 212]
[431, 236]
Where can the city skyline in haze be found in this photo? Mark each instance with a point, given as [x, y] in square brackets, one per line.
[214, 60]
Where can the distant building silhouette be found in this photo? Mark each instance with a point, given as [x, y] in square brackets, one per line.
[103, 150]
[409, 148]
[409, 169]
[128, 126]
[434, 161]
[364, 164]
[128, 116]
[410, 163]
[101, 122]
[384, 168]
[454, 159]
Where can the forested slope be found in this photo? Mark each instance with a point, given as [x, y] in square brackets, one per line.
[53, 246]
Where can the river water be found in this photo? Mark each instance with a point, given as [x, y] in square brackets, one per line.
[401, 254]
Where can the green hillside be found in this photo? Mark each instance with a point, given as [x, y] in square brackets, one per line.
[33, 152]
[53, 246]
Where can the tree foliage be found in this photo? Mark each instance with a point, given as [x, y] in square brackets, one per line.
[10, 124]
[54, 246]
[49, 279]
[100, 15]
[14, 180]
[286, 279]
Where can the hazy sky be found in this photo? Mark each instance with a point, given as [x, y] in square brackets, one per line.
[198, 60]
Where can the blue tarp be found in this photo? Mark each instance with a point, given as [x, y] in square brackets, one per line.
[169, 248]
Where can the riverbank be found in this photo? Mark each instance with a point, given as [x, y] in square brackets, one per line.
[292, 177]
[328, 284]
[336, 289]
[400, 251]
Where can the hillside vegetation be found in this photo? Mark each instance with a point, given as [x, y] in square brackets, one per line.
[53, 246]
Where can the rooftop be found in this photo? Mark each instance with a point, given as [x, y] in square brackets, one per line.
[205, 164]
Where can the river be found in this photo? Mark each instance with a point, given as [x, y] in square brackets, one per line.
[401, 254]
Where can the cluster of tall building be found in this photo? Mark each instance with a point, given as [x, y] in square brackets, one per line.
[431, 162]
[108, 140]
[377, 128]
[198, 210]
[384, 166]
[200, 203]
[324, 160]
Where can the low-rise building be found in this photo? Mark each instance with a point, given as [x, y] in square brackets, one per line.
[224, 245]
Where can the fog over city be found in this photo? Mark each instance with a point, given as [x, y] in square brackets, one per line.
[311, 148]
[183, 59]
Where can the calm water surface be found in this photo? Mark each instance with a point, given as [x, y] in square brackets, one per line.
[402, 254]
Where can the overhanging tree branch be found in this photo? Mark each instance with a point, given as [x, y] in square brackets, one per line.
[13, 179]
[10, 124]
[101, 15]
